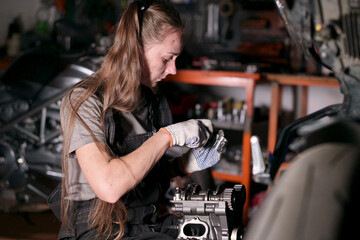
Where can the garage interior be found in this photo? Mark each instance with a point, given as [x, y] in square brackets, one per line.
[239, 67]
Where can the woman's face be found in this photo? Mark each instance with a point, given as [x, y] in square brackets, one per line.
[160, 57]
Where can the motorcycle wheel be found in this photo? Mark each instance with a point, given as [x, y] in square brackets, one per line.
[316, 198]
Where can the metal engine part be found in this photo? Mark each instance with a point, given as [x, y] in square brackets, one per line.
[220, 142]
[207, 214]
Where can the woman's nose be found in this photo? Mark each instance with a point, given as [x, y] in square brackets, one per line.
[171, 67]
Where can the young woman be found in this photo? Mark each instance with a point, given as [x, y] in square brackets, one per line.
[117, 131]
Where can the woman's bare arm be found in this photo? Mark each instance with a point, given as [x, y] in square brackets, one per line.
[110, 178]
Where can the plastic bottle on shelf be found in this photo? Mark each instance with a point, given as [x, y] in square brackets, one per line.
[14, 43]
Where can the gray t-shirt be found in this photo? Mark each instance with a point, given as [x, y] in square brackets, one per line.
[90, 111]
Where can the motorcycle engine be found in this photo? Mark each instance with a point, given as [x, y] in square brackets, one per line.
[12, 166]
[9, 168]
[10, 107]
[26, 155]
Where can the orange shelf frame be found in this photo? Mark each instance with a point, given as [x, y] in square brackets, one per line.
[279, 80]
[229, 79]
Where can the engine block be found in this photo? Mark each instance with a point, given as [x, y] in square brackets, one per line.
[207, 214]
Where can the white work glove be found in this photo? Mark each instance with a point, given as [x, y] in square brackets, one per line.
[201, 158]
[192, 133]
[204, 157]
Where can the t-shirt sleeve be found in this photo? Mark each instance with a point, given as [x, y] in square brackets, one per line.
[90, 112]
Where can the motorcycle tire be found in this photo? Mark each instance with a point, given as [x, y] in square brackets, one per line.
[316, 198]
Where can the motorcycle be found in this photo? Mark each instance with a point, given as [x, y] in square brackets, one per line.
[30, 136]
[314, 172]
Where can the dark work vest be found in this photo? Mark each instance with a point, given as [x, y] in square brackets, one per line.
[153, 187]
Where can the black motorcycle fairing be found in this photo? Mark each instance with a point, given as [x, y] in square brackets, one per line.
[33, 71]
[291, 133]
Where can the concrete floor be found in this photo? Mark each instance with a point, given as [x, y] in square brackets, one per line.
[31, 226]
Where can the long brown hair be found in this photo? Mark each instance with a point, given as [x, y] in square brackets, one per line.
[117, 85]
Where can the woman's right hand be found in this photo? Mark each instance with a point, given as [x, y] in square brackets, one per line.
[192, 133]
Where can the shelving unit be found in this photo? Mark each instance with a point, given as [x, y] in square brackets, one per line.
[230, 79]
[279, 80]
